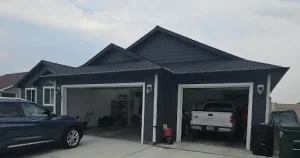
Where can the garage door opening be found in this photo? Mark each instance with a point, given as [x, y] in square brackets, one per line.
[117, 110]
[218, 114]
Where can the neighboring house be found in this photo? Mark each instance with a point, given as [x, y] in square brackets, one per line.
[7, 83]
[163, 63]
[282, 107]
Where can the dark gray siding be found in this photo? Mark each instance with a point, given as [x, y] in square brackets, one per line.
[163, 48]
[166, 102]
[110, 57]
[169, 84]
[40, 83]
[28, 81]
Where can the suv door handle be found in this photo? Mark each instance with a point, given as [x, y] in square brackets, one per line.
[210, 115]
[33, 120]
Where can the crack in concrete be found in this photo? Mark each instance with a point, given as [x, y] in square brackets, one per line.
[137, 152]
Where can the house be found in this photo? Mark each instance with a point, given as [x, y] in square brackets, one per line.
[7, 83]
[283, 107]
[161, 67]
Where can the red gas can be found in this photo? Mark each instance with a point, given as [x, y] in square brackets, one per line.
[168, 132]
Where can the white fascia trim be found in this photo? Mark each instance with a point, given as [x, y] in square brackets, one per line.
[6, 88]
[39, 74]
[49, 87]
[64, 94]
[108, 85]
[268, 99]
[216, 85]
[31, 89]
[155, 108]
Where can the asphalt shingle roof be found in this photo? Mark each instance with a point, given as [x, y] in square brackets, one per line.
[116, 47]
[112, 67]
[57, 68]
[10, 79]
[217, 66]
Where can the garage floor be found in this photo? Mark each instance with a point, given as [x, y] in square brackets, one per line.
[123, 133]
[216, 140]
[94, 147]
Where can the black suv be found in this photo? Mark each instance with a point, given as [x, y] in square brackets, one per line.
[24, 123]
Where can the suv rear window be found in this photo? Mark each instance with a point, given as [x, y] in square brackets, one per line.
[220, 107]
[9, 110]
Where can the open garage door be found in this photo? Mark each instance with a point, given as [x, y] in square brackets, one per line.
[217, 114]
[116, 110]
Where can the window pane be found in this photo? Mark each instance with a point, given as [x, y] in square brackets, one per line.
[52, 96]
[50, 108]
[33, 95]
[28, 95]
[46, 96]
[8, 110]
[32, 110]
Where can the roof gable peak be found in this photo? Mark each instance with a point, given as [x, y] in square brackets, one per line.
[183, 38]
[112, 46]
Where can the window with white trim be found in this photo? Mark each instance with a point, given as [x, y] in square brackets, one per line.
[30, 94]
[48, 96]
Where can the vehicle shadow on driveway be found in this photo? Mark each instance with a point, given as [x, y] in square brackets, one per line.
[29, 151]
[41, 151]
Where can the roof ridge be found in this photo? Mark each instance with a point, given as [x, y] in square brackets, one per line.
[184, 38]
[114, 46]
[126, 51]
[50, 65]
[12, 74]
[46, 61]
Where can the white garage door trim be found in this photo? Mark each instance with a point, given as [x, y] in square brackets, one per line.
[217, 85]
[64, 93]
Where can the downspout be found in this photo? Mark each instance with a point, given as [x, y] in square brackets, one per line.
[55, 93]
[155, 108]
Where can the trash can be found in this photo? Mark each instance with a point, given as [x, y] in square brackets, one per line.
[287, 134]
[262, 140]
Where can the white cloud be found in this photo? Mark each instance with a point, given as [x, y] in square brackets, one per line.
[265, 30]
[52, 13]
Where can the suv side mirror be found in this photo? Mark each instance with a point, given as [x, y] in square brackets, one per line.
[50, 114]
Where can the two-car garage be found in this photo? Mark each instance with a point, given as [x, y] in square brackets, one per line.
[112, 110]
[124, 103]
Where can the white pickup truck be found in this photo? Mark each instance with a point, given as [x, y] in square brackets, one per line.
[214, 117]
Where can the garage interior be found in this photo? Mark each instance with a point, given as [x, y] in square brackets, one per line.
[116, 112]
[195, 98]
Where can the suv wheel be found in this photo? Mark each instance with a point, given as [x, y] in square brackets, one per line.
[71, 138]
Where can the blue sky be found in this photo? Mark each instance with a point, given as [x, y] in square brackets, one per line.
[72, 31]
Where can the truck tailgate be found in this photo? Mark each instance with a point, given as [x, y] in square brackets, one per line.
[219, 119]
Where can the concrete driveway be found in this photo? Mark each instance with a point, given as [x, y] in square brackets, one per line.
[95, 147]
